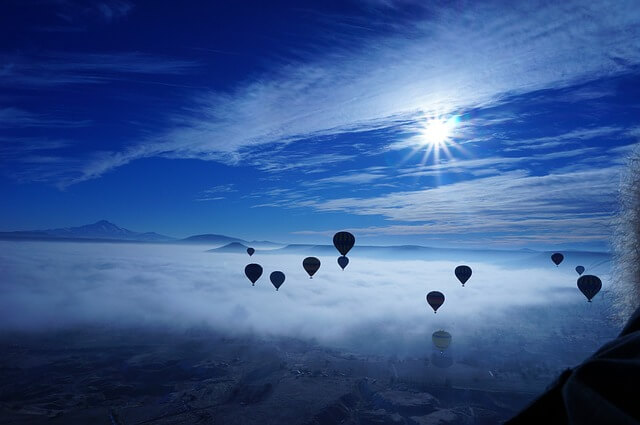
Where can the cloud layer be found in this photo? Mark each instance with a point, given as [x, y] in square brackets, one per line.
[373, 306]
[456, 60]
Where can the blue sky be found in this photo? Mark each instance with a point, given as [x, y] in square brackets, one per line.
[291, 120]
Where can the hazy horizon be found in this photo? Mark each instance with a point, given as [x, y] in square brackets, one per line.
[488, 134]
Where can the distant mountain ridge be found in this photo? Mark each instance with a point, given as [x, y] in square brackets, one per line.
[104, 230]
[100, 230]
[235, 247]
[210, 238]
[525, 257]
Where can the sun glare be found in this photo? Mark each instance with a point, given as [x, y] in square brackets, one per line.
[437, 131]
[437, 135]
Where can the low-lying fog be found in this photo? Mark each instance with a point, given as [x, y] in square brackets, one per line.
[373, 307]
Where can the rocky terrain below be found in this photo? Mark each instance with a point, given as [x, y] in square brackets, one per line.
[102, 376]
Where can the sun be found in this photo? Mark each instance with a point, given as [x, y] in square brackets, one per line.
[437, 131]
[437, 135]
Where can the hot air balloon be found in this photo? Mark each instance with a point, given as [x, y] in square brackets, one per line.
[277, 279]
[557, 258]
[253, 272]
[463, 273]
[343, 241]
[311, 265]
[441, 339]
[589, 285]
[343, 262]
[580, 270]
[250, 251]
[435, 300]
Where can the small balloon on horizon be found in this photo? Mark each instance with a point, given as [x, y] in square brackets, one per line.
[253, 271]
[435, 299]
[311, 265]
[589, 285]
[557, 258]
[463, 273]
[277, 279]
[343, 241]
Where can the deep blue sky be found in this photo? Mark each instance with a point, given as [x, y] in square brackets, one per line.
[291, 120]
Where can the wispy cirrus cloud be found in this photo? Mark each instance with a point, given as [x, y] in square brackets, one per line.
[568, 138]
[15, 117]
[73, 13]
[216, 193]
[570, 207]
[451, 61]
[65, 68]
[114, 9]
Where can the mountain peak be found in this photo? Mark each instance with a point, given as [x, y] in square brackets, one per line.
[105, 222]
[104, 229]
[231, 247]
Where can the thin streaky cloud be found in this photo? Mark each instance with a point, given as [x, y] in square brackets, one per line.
[15, 117]
[454, 61]
[570, 137]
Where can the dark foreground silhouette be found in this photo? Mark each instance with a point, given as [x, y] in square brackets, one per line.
[602, 390]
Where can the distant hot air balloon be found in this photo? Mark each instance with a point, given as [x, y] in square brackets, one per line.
[589, 285]
[441, 339]
[250, 251]
[277, 279]
[343, 262]
[580, 270]
[463, 273]
[557, 258]
[253, 272]
[343, 241]
[311, 265]
[435, 300]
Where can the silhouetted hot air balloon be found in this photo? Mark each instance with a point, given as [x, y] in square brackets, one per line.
[343, 241]
[441, 339]
[250, 251]
[277, 279]
[311, 265]
[463, 273]
[253, 272]
[580, 270]
[589, 285]
[435, 300]
[343, 262]
[557, 258]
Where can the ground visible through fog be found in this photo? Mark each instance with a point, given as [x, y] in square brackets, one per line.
[157, 334]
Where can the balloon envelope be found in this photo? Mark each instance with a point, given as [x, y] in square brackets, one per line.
[343, 241]
[463, 273]
[253, 272]
[441, 339]
[311, 265]
[343, 262]
[435, 300]
[277, 279]
[589, 285]
[250, 251]
[557, 258]
[580, 270]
